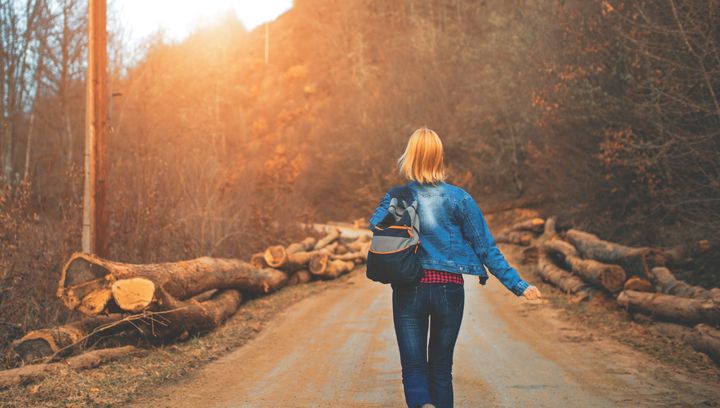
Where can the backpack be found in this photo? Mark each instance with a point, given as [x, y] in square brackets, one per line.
[392, 257]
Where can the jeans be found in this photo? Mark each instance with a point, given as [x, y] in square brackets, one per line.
[427, 377]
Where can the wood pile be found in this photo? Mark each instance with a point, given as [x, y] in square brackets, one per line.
[169, 301]
[639, 278]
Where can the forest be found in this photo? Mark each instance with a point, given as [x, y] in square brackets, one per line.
[605, 113]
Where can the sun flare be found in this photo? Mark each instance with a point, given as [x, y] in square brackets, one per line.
[176, 18]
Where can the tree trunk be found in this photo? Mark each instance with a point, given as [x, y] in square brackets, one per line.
[610, 277]
[702, 338]
[630, 258]
[531, 254]
[671, 308]
[185, 318]
[321, 265]
[523, 238]
[331, 236]
[360, 255]
[67, 339]
[258, 260]
[298, 277]
[35, 372]
[561, 278]
[667, 283]
[532, 224]
[278, 256]
[85, 280]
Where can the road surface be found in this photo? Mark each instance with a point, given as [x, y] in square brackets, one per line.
[338, 349]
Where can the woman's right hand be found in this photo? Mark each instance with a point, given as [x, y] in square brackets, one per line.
[532, 293]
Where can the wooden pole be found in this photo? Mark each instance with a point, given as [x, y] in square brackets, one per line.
[95, 216]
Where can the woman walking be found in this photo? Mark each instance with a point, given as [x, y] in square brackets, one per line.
[454, 240]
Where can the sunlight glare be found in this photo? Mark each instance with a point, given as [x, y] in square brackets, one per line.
[177, 18]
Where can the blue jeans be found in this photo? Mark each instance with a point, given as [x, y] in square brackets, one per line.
[427, 377]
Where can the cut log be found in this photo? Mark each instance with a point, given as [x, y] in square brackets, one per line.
[305, 245]
[702, 338]
[296, 256]
[321, 265]
[276, 256]
[359, 244]
[685, 253]
[531, 254]
[671, 308]
[331, 236]
[84, 275]
[298, 277]
[632, 259]
[706, 339]
[566, 281]
[186, 318]
[133, 295]
[91, 359]
[666, 282]
[532, 224]
[638, 284]
[610, 277]
[523, 238]
[258, 260]
[65, 340]
[360, 254]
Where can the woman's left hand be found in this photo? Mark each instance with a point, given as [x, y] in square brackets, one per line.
[532, 293]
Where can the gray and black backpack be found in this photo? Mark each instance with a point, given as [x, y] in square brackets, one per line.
[392, 257]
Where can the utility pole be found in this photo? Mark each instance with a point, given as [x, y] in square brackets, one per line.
[95, 215]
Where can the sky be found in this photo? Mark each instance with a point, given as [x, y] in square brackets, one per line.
[177, 18]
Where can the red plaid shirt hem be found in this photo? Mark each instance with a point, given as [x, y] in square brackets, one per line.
[433, 276]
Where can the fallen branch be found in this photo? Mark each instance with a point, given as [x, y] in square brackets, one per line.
[63, 340]
[35, 372]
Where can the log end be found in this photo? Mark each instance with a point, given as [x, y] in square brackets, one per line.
[318, 263]
[95, 302]
[275, 256]
[134, 294]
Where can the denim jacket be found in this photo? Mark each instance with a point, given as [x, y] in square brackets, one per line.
[454, 236]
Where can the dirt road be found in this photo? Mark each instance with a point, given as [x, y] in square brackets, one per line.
[338, 349]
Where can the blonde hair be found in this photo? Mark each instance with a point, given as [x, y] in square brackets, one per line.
[422, 160]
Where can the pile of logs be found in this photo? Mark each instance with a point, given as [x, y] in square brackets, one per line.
[170, 301]
[639, 278]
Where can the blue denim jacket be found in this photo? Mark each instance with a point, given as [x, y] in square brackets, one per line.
[454, 236]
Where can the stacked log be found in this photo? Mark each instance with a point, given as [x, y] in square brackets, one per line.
[521, 233]
[579, 263]
[167, 301]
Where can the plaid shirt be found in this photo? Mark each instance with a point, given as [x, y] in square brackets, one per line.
[433, 276]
